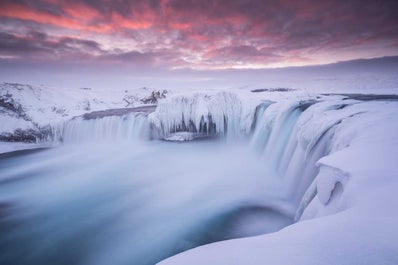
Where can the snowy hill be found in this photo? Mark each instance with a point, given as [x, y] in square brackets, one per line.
[27, 112]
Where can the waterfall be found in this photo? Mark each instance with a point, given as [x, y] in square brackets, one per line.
[289, 135]
[292, 136]
[127, 127]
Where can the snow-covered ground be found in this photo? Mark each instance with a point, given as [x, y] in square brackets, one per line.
[51, 104]
[27, 110]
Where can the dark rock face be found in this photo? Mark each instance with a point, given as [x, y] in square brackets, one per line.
[10, 107]
[154, 97]
[117, 112]
[206, 127]
[306, 104]
[28, 136]
[365, 97]
[277, 89]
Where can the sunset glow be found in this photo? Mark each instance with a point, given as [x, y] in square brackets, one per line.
[175, 34]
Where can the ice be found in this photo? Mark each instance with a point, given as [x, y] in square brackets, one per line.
[219, 113]
[181, 137]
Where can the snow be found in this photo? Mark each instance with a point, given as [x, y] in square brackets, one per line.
[10, 123]
[348, 214]
[52, 105]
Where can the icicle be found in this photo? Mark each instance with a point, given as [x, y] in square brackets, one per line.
[222, 114]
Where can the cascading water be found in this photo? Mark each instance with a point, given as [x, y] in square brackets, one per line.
[110, 125]
[137, 202]
[128, 127]
[291, 137]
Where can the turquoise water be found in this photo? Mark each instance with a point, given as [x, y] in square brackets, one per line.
[128, 202]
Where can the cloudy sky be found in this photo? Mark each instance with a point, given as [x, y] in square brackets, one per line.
[193, 34]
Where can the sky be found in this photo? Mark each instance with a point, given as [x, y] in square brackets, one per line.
[153, 36]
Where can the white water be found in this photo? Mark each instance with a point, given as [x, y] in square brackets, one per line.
[131, 127]
[128, 203]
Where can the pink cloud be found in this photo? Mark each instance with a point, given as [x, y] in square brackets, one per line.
[209, 32]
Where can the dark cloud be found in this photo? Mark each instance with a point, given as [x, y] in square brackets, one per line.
[40, 45]
[14, 45]
[198, 33]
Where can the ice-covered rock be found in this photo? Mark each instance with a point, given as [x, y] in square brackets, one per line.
[214, 113]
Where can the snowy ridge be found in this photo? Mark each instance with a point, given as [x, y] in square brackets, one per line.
[220, 113]
[31, 110]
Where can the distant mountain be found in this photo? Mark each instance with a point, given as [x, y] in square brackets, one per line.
[387, 60]
[380, 64]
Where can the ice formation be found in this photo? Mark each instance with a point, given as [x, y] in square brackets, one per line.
[218, 113]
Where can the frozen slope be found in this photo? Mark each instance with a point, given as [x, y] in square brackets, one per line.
[346, 211]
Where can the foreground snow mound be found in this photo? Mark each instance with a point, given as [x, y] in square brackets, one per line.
[213, 113]
[354, 189]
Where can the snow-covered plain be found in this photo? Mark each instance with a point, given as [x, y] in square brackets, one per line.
[312, 177]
